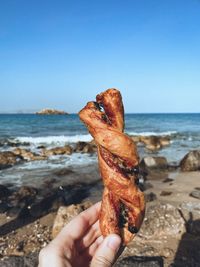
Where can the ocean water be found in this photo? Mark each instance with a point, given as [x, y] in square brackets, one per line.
[31, 131]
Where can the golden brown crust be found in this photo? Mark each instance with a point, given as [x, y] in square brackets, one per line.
[123, 203]
[113, 106]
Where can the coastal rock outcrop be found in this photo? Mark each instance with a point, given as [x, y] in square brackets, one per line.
[191, 161]
[85, 147]
[27, 155]
[65, 150]
[49, 111]
[7, 159]
[152, 143]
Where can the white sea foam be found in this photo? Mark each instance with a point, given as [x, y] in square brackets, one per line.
[49, 140]
[55, 162]
[167, 133]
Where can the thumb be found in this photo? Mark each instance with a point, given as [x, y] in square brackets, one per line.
[106, 253]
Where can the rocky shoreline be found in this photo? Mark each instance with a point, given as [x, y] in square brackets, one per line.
[18, 152]
[170, 235]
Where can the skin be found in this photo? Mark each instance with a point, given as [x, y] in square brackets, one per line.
[80, 243]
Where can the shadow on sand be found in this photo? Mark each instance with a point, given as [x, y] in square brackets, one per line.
[136, 261]
[188, 252]
[66, 195]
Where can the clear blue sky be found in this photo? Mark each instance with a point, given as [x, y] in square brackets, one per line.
[61, 53]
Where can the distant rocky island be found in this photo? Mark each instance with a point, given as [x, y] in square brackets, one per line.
[49, 111]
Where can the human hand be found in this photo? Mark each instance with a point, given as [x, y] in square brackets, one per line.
[80, 243]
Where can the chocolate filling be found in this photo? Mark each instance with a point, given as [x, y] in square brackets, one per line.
[100, 108]
[104, 118]
[123, 218]
[110, 159]
[123, 215]
[133, 229]
[97, 105]
[134, 170]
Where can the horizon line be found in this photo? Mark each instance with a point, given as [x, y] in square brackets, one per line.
[76, 113]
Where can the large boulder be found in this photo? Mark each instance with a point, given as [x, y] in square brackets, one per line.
[7, 159]
[191, 161]
[65, 150]
[163, 227]
[162, 220]
[154, 163]
[65, 214]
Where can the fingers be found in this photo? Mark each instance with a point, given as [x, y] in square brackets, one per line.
[93, 248]
[87, 254]
[80, 224]
[107, 251]
[92, 234]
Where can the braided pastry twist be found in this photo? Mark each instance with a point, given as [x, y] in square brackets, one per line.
[123, 205]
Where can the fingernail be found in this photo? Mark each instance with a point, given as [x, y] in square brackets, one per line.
[114, 242]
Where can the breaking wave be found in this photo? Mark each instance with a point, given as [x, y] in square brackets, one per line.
[49, 140]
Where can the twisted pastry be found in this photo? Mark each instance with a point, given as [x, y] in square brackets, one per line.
[123, 205]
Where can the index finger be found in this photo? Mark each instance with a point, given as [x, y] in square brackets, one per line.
[80, 224]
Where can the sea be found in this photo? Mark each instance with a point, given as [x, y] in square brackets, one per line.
[31, 131]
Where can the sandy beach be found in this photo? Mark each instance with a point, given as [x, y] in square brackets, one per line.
[158, 242]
